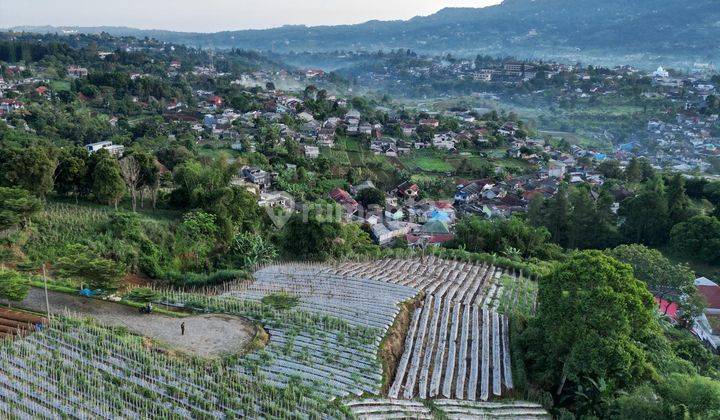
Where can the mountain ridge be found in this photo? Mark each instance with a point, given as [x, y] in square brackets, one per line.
[673, 31]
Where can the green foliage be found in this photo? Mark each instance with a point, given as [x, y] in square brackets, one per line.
[281, 301]
[96, 272]
[476, 234]
[142, 295]
[592, 319]
[17, 206]
[575, 219]
[698, 239]
[248, 250]
[698, 394]
[30, 168]
[13, 285]
[371, 197]
[642, 404]
[108, 186]
[666, 280]
[646, 214]
[318, 234]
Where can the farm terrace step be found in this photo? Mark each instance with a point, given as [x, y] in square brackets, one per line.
[454, 350]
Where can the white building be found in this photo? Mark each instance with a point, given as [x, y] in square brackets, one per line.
[113, 149]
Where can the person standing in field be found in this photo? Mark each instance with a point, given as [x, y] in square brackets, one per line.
[182, 328]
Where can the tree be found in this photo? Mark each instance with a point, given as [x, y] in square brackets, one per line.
[13, 285]
[371, 196]
[96, 272]
[143, 295]
[557, 215]
[698, 238]
[248, 250]
[678, 202]
[592, 319]
[610, 169]
[71, 170]
[633, 172]
[699, 394]
[668, 281]
[476, 234]
[318, 234]
[31, 168]
[16, 207]
[646, 214]
[108, 185]
[130, 170]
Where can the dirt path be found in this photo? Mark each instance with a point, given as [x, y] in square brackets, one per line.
[205, 335]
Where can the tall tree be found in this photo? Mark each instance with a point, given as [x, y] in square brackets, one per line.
[633, 172]
[31, 168]
[71, 170]
[592, 320]
[678, 202]
[95, 272]
[108, 184]
[16, 207]
[131, 173]
[698, 238]
[646, 214]
[668, 281]
[558, 215]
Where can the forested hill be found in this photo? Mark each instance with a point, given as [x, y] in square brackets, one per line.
[621, 31]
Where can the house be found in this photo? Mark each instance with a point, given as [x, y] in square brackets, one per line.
[444, 141]
[256, 176]
[344, 198]
[277, 199]
[311, 73]
[407, 190]
[113, 149]
[326, 137]
[556, 169]
[312, 152]
[384, 233]
[216, 100]
[75, 71]
[471, 191]
[430, 122]
[306, 117]
[707, 325]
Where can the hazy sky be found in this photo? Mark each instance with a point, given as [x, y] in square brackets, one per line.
[215, 15]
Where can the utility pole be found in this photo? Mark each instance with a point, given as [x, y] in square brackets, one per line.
[47, 300]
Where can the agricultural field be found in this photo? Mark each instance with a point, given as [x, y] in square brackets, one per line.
[358, 301]
[316, 353]
[460, 282]
[75, 369]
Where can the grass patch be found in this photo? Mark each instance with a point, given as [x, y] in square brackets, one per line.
[281, 301]
[60, 85]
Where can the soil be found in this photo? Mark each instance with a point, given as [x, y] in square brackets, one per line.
[393, 345]
[210, 335]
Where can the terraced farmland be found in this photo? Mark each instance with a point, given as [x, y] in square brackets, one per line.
[319, 358]
[458, 281]
[381, 409]
[73, 369]
[456, 351]
[358, 300]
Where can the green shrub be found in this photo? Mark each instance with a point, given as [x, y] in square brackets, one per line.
[281, 300]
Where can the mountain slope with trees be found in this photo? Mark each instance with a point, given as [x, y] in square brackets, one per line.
[640, 32]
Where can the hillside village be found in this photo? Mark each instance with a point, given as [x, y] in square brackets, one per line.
[280, 116]
[379, 244]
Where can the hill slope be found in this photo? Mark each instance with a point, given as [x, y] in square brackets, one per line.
[611, 30]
